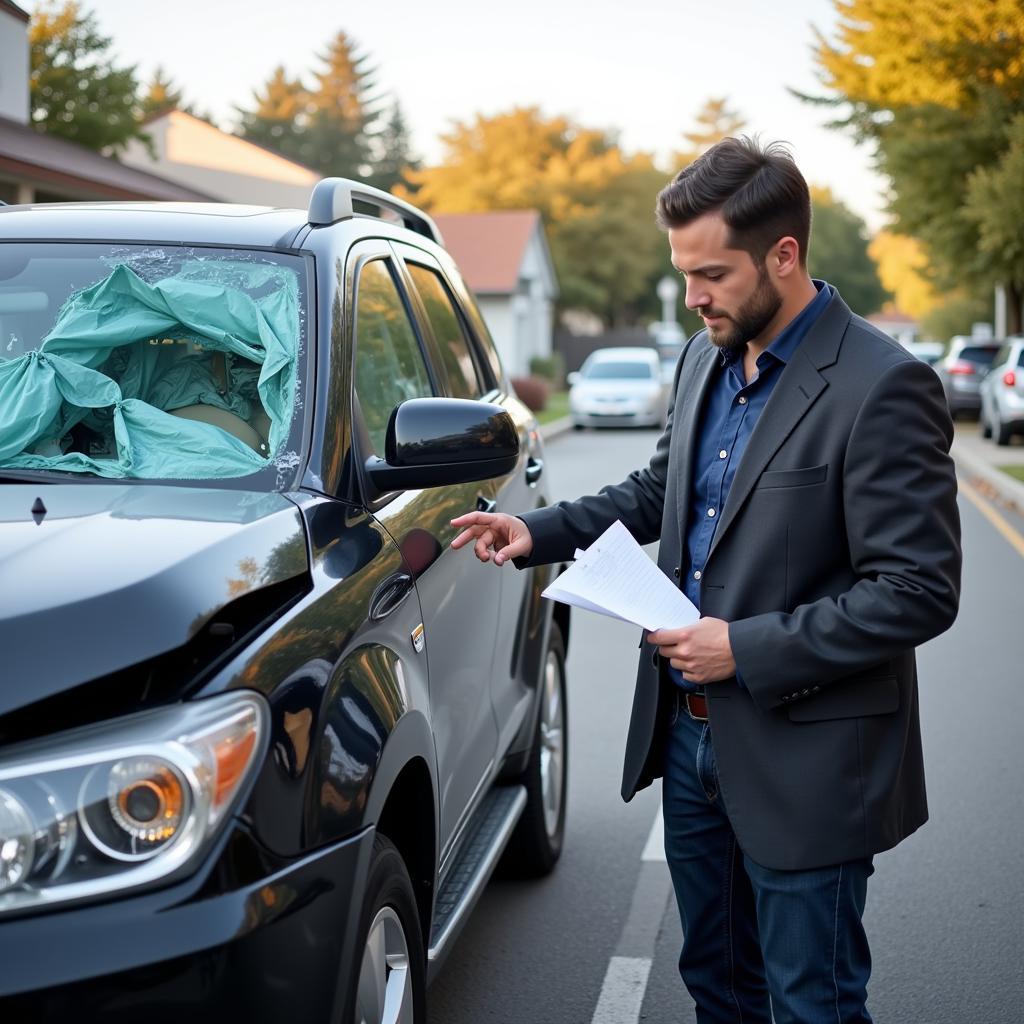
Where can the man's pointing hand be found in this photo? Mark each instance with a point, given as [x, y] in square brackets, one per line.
[505, 536]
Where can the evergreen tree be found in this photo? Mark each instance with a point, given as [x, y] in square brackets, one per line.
[392, 152]
[76, 89]
[279, 119]
[342, 113]
[161, 94]
[714, 121]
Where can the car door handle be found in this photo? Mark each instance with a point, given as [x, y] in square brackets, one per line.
[534, 468]
[485, 504]
[389, 594]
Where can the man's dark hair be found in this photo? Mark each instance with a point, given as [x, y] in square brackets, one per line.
[759, 191]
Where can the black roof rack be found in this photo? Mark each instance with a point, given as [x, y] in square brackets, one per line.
[335, 199]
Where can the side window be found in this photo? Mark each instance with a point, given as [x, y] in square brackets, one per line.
[453, 346]
[1020, 358]
[389, 364]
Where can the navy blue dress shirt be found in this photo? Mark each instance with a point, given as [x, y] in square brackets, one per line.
[732, 409]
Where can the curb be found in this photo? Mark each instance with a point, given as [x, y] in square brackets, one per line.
[1008, 490]
[549, 431]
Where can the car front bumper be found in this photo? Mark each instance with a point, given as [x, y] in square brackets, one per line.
[274, 947]
[623, 418]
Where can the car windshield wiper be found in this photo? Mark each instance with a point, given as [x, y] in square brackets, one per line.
[14, 476]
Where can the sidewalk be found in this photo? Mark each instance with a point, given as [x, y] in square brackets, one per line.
[977, 460]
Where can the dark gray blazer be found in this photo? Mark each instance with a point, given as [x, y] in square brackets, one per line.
[837, 553]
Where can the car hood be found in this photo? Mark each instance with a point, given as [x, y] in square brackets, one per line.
[114, 575]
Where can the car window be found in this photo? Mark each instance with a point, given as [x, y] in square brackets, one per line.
[603, 370]
[453, 346]
[979, 354]
[149, 362]
[389, 368]
[1020, 357]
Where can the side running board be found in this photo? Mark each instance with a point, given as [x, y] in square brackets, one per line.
[491, 829]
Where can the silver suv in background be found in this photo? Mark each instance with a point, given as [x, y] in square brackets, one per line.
[1002, 394]
[963, 369]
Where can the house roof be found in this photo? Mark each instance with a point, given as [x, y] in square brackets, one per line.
[489, 247]
[14, 9]
[51, 160]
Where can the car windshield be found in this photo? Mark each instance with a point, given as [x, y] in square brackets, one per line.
[982, 355]
[625, 370]
[144, 362]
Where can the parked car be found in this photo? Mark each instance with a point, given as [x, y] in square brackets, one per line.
[962, 370]
[263, 734]
[619, 387]
[1002, 394]
[929, 352]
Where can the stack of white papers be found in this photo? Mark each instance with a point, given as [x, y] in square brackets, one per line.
[615, 577]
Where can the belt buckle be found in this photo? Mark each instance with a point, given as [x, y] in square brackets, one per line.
[689, 709]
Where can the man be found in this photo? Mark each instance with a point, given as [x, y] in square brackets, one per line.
[804, 496]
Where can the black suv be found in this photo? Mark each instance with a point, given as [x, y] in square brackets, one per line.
[263, 734]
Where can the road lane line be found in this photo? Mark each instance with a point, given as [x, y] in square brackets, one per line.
[655, 848]
[622, 994]
[1015, 540]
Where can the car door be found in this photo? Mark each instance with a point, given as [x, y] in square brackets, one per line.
[460, 609]
[467, 372]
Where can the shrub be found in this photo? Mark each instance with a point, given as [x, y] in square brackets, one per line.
[532, 392]
[551, 368]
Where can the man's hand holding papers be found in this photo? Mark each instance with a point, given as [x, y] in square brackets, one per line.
[615, 577]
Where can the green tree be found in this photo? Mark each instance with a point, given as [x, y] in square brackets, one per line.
[279, 115]
[161, 94]
[77, 91]
[934, 88]
[392, 152]
[343, 114]
[839, 253]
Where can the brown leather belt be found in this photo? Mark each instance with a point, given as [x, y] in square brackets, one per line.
[696, 706]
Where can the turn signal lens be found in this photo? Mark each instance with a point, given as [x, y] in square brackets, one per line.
[231, 754]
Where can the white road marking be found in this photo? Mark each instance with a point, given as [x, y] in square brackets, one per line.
[655, 848]
[622, 994]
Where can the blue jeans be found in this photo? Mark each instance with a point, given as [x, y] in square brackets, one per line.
[756, 941]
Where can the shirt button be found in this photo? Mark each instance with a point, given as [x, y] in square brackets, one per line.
[723, 454]
[711, 513]
[742, 400]
[696, 575]
[675, 572]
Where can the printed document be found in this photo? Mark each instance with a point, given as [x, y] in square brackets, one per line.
[615, 577]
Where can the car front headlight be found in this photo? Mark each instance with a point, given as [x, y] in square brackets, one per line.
[124, 803]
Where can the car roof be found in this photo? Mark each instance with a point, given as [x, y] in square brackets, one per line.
[189, 223]
[639, 354]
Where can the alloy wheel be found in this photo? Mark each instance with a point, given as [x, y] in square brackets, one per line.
[385, 993]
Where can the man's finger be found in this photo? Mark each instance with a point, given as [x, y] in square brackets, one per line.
[482, 548]
[474, 519]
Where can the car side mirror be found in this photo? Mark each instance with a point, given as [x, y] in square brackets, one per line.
[431, 442]
[573, 378]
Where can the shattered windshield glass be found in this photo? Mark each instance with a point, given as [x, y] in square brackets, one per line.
[150, 362]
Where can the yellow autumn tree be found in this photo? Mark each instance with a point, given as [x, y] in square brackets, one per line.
[902, 266]
[597, 201]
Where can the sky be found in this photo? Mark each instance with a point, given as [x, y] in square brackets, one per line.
[642, 68]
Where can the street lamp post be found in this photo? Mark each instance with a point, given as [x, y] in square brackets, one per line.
[668, 292]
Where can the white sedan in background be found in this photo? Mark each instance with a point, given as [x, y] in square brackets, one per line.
[619, 387]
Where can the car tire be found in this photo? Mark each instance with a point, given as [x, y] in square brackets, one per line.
[986, 426]
[391, 971]
[577, 426]
[1002, 433]
[536, 843]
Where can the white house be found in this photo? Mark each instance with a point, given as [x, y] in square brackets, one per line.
[505, 259]
[195, 154]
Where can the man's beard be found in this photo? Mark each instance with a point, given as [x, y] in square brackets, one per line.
[751, 320]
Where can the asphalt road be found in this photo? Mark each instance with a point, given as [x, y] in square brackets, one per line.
[945, 909]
